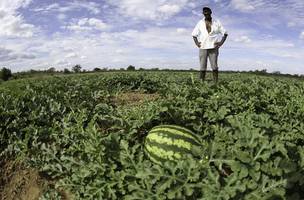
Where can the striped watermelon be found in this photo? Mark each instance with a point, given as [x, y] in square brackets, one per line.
[171, 142]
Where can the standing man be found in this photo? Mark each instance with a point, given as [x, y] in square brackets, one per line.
[209, 35]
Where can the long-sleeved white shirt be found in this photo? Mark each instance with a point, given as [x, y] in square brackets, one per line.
[206, 39]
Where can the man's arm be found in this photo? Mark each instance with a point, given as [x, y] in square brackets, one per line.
[219, 44]
[198, 44]
[222, 31]
[196, 33]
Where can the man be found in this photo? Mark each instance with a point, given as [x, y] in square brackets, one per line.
[209, 35]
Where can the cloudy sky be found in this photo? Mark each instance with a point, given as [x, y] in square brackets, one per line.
[36, 34]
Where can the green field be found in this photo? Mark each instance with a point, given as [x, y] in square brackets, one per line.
[84, 135]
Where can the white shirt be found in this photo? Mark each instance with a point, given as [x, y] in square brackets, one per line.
[206, 39]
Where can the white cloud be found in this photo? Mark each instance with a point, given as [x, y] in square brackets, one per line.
[71, 55]
[62, 62]
[11, 6]
[78, 28]
[242, 5]
[61, 16]
[152, 38]
[12, 23]
[119, 51]
[88, 24]
[169, 9]
[92, 7]
[262, 45]
[291, 24]
[153, 47]
[10, 55]
[191, 5]
[54, 6]
[96, 23]
[272, 12]
[5, 54]
[149, 10]
[133, 47]
[183, 31]
[302, 35]
[267, 47]
[243, 39]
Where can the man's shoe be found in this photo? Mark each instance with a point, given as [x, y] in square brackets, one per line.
[215, 75]
[202, 75]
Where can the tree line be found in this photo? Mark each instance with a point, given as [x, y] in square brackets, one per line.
[6, 74]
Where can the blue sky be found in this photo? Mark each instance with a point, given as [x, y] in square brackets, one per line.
[263, 34]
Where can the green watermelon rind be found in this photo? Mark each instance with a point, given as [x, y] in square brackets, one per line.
[170, 143]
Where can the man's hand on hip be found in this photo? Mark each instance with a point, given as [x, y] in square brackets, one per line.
[218, 44]
[198, 44]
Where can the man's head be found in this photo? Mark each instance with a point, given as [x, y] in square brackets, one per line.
[207, 12]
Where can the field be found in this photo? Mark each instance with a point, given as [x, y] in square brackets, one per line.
[82, 137]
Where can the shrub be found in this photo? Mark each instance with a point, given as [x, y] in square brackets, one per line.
[5, 74]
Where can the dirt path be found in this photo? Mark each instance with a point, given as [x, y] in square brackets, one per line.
[17, 182]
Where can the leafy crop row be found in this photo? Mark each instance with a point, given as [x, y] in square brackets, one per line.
[70, 129]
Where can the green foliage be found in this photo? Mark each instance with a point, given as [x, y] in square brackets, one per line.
[130, 68]
[76, 68]
[70, 128]
[66, 71]
[51, 70]
[96, 69]
[5, 74]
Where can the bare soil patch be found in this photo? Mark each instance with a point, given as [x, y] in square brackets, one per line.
[134, 98]
[20, 183]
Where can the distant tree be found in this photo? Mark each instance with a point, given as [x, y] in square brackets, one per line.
[5, 74]
[122, 69]
[131, 68]
[51, 70]
[155, 69]
[32, 71]
[96, 69]
[276, 72]
[76, 68]
[66, 71]
[264, 71]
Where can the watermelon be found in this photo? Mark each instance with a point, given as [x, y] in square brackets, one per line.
[171, 143]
